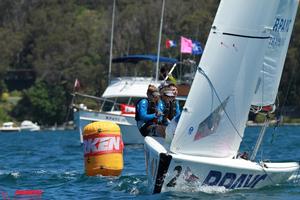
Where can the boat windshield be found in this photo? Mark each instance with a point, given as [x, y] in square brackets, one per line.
[114, 104]
[101, 104]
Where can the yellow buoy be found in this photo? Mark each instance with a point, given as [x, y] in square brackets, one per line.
[103, 149]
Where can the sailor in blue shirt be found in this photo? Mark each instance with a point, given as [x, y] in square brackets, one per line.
[149, 112]
[170, 106]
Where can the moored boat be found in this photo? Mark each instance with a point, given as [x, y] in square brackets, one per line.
[9, 127]
[27, 125]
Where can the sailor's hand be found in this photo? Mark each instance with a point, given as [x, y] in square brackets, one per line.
[158, 114]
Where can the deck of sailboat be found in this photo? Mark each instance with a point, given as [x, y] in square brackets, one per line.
[236, 162]
[232, 173]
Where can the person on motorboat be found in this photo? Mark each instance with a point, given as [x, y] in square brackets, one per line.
[149, 112]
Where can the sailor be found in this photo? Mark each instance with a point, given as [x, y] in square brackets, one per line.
[170, 105]
[149, 112]
[173, 87]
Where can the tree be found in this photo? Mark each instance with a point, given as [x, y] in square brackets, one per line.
[43, 103]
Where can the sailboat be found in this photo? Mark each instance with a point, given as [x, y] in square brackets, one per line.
[205, 147]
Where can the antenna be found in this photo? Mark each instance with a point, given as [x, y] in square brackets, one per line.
[111, 41]
[159, 38]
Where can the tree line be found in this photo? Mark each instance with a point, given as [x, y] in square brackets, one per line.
[63, 40]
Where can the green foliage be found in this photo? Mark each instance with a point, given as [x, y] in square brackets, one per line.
[4, 117]
[65, 40]
[42, 103]
[291, 120]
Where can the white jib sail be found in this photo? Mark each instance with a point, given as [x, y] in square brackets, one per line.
[213, 119]
[268, 82]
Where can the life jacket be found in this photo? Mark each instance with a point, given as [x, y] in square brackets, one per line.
[170, 110]
[150, 110]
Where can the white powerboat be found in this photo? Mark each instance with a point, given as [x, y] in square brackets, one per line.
[246, 38]
[27, 125]
[9, 127]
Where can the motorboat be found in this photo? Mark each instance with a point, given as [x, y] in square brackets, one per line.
[9, 127]
[27, 125]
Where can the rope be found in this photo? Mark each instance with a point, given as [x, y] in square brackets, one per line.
[278, 115]
[219, 99]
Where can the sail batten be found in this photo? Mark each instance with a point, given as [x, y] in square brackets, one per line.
[219, 100]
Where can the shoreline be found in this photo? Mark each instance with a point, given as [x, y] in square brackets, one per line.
[272, 123]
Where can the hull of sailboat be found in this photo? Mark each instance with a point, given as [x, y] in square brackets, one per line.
[129, 130]
[167, 171]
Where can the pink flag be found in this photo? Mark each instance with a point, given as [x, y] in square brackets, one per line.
[186, 45]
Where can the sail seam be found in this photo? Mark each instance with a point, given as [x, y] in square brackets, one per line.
[248, 36]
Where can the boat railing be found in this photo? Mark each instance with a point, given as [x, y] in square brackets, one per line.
[101, 103]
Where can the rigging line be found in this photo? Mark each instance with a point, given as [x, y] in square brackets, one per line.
[219, 99]
[278, 120]
[262, 167]
[288, 90]
[278, 116]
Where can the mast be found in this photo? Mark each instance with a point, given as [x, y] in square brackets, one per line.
[159, 38]
[111, 41]
[260, 138]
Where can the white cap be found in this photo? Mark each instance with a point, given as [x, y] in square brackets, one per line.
[169, 93]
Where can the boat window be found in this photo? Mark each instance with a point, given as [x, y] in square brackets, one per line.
[123, 100]
[113, 104]
[108, 104]
[133, 100]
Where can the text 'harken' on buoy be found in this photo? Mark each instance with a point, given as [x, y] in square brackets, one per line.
[103, 149]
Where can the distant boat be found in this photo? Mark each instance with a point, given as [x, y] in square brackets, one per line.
[9, 127]
[29, 126]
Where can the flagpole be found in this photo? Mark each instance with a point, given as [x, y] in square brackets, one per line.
[180, 66]
[76, 83]
[159, 39]
[111, 41]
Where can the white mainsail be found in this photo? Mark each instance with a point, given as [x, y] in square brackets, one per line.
[268, 82]
[213, 120]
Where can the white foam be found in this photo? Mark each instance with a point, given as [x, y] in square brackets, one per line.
[295, 178]
[197, 186]
[41, 171]
[134, 191]
[15, 174]
[213, 189]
